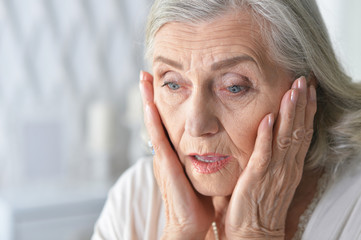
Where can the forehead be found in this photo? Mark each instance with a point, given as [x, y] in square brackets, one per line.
[230, 35]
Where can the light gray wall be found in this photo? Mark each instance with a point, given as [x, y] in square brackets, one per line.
[63, 63]
[343, 19]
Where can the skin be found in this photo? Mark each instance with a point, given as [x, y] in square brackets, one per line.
[265, 126]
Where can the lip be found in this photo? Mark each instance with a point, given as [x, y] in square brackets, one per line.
[209, 162]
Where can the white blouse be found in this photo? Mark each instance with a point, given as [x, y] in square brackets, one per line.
[134, 209]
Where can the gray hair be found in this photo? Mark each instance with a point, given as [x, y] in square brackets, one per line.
[298, 40]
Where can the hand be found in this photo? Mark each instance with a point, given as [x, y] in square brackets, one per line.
[188, 214]
[265, 189]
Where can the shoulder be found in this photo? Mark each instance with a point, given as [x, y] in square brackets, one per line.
[139, 174]
[133, 206]
[338, 213]
[135, 182]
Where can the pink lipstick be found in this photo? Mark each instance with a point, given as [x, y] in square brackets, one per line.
[209, 163]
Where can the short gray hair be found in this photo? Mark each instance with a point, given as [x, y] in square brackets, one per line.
[296, 34]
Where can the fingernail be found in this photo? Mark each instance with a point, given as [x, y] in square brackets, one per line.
[312, 93]
[270, 120]
[294, 95]
[301, 83]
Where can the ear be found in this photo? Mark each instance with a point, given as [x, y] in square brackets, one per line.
[312, 80]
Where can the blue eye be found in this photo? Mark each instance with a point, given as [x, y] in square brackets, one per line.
[235, 88]
[171, 85]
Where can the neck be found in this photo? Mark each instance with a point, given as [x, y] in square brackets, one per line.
[221, 204]
[220, 208]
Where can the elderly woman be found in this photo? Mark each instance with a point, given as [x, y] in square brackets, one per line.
[239, 150]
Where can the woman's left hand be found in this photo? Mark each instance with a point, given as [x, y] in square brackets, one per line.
[264, 191]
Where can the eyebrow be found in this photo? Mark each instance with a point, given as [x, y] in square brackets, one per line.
[231, 62]
[227, 63]
[169, 62]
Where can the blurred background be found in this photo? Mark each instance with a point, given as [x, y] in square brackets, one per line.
[70, 110]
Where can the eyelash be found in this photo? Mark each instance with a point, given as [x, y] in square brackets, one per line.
[169, 83]
[241, 89]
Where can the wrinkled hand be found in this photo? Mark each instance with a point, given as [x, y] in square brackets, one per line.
[266, 187]
[188, 214]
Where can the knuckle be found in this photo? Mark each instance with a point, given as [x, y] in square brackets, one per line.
[289, 116]
[261, 165]
[156, 147]
[301, 105]
[264, 160]
[299, 134]
[309, 135]
[313, 109]
[283, 142]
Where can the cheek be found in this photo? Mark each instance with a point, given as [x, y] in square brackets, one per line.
[242, 126]
[172, 118]
[242, 131]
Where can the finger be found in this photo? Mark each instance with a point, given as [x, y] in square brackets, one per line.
[311, 108]
[262, 153]
[290, 131]
[310, 112]
[167, 167]
[152, 118]
[298, 129]
[146, 87]
[302, 132]
[284, 125]
[299, 121]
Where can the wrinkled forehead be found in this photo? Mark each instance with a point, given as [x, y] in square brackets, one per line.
[226, 36]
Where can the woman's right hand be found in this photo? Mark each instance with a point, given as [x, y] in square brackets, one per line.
[188, 214]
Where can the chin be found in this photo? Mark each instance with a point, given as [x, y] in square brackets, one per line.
[220, 182]
[213, 186]
[214, 193]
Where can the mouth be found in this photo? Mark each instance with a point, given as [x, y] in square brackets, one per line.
[209, 163]
[210, 158]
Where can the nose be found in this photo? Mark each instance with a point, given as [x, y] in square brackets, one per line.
[201, 119]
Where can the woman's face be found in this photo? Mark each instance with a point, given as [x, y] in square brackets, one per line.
[213, 84]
